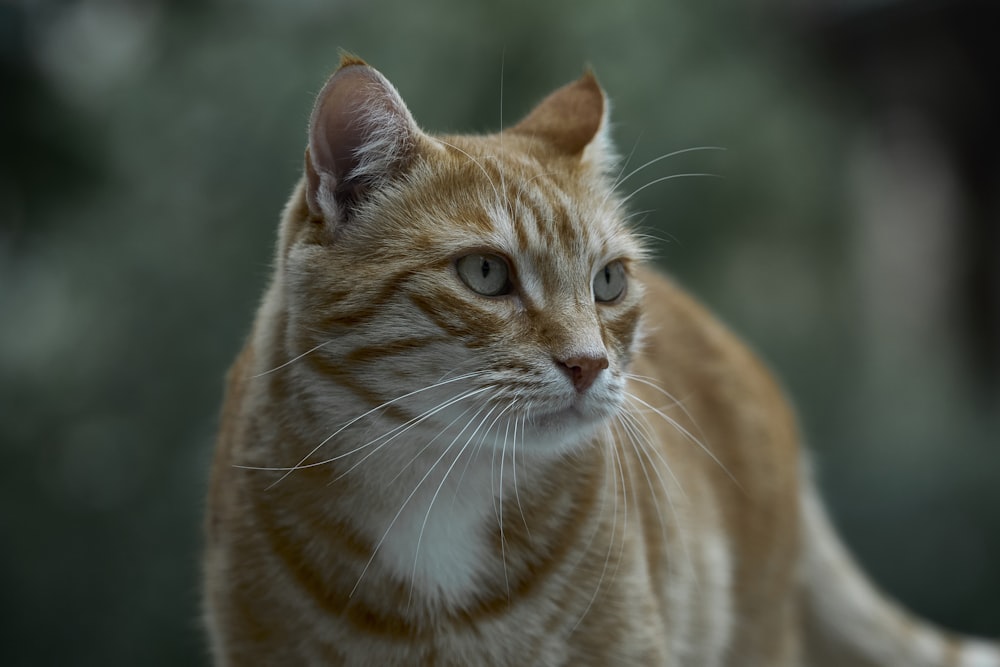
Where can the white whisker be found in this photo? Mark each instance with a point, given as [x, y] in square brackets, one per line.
[628, 158]
[645, 429]
[687, 434]
[392, 434]
[627, 433]
[420, 452]
[635, 171]
[643, 441]
[479, 164]
[444, 478]
[513, 464]
[503, 542]
[292, 360]
[353, 421]
[674, 401]
[403, 506]
[661, 180]
[478, 448]
[615, 462]
[503, 182]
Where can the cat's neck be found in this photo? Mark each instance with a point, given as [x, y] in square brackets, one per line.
[446, 528]
[453, 523]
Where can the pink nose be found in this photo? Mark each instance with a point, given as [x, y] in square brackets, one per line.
[583, 370]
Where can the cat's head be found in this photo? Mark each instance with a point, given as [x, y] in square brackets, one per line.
[477, 282]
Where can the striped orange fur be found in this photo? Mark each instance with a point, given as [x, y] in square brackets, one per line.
[470, 427]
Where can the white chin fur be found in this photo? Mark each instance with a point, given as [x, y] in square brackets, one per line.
[571, 427]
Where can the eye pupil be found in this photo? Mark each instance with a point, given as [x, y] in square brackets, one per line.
[485, 274]
[609, 283]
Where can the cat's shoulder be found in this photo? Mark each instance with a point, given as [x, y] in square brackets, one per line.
[681, 334]
[671, 313]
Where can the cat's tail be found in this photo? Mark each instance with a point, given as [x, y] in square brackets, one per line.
[848, 623]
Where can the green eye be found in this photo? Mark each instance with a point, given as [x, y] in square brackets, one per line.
[609, 283]
[485, 274]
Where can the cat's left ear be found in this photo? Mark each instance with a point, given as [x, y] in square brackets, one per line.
[361, 136]
[574, 121]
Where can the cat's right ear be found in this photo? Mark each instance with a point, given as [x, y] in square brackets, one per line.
[361, 135]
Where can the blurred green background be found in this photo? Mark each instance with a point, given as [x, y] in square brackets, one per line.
[146, 149]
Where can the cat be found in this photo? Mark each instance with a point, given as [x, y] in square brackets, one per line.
[471, 427]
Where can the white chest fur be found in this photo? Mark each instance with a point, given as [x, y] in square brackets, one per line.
[434, 533]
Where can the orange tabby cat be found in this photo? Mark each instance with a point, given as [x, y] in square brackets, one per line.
[469, 427]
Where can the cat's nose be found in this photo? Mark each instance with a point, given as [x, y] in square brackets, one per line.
[583, 370]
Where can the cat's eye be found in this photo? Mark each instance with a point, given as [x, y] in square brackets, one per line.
[485, 273]
[609, 283]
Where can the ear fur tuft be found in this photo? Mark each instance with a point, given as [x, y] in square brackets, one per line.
[347, 58]
[361, 136]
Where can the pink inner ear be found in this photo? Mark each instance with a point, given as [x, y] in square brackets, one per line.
[360, 136]
[570, 118]
[338, 124]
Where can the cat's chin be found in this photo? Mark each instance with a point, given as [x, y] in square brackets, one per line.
[567, 427]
